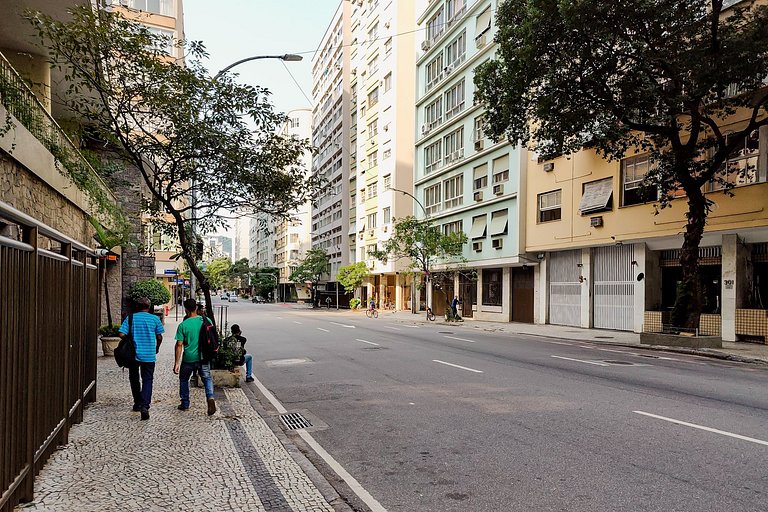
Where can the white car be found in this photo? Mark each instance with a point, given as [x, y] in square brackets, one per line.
[233, 298]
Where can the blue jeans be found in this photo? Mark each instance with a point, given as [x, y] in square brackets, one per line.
[141, 390]
[248, 366]
[185, 371]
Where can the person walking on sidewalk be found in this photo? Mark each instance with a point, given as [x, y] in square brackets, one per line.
[147, 332]
[189, 357]
[247, 358]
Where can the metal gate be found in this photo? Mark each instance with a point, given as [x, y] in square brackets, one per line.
[614, 288]
[564, 288]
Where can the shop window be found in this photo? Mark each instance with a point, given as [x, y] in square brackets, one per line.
[492, 286]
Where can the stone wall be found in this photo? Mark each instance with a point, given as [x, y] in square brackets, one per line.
[115, 285]
[24, 191]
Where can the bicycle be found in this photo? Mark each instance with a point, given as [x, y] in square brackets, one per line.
[430, 315]
[372, 313]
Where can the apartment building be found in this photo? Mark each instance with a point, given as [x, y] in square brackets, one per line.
[242, 238]
[262, 241]
[382, 99]
[331, 129]
[463, 180]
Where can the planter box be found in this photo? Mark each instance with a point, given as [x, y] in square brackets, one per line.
[674, 340]
[109, 344]
[226, 378]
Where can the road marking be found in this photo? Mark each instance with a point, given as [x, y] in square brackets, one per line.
[388, 327]
[700, 427]
[279, 317]
[596, 363]
[460, 339]
[343, 325]
[457, 366]
[558, 343]
[296, 322]
[412, 326]
[369, 342]
[353, 484]
[324, 330]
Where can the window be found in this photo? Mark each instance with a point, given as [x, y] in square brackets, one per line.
[434, 71]
[387, 182]
[167, 42]
[453, 190]
[454, 100]
[373, 160]
[362, 253]
[164, 7]
[454, 9]
[453, 227]
[370, 250]
[499, 222]
[454, 146]
[371, 220]
[483, 23]
[362, 195]
[479, 132]
[362, 111]
[373, 129]
[433, 156]
[480, 177]
[373, 65]
[373, 97]
[492, 287]
[294, 238]
[373, 33]
[388, 45]
[373, 190]
[293, 122]
[436, 25]
[549, 206]
[432, 198]
[433, 113]
[387, 153]
[633, 171]
[387, 216]
[456, 51]
[388, 82]
[596, 196]
[741, 167]
[501, 169]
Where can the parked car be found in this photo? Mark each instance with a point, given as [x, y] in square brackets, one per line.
[258, 299]
[233, 298]
[224, 296]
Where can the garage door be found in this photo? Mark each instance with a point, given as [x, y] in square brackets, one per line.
[564, 288]
[614, 288]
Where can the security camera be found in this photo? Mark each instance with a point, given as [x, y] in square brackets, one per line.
[540, 256]
[102, 253]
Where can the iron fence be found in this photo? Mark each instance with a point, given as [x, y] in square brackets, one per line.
[49, 310]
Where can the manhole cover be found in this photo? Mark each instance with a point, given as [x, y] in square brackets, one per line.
[444, 332]
[287, 362]
[625, 363]
[604, 337]
[294, 421]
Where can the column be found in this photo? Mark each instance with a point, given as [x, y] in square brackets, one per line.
[735, 283]
[586, 288]
[638, 268]
[540, 295]
[506, 294]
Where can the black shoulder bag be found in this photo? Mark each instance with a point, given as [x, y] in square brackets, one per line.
[125, 353]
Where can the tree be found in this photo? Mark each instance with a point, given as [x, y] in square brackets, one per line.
[351, 276]
[422, 244]
[108, 239]
[240, 272]
[203, 146]
[264, 280]
[656, 76]
[151, 289]
[311, 269]
[217, 273]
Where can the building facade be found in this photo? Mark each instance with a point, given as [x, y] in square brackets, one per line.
[332, 125]
[463, 180]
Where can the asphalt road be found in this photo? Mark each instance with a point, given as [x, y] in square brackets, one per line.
[444, 418]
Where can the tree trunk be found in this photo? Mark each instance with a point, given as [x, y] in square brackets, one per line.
[106, 296]
[687, 309]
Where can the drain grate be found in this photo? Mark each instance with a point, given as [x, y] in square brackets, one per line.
[294, 421]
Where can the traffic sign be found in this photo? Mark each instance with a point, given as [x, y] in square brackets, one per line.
[171, 272]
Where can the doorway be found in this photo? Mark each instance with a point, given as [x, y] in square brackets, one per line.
[522, 294]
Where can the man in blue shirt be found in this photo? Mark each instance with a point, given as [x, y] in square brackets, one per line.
[147, 332]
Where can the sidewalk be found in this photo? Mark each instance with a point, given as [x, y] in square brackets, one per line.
[741, 352]
[176, 460]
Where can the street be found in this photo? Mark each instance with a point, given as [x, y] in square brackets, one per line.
[440, 417]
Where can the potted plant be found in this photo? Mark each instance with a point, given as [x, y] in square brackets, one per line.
[109, 338]
[225, 368]
[153, 290]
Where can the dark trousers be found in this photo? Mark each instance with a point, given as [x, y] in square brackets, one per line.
[142, 390]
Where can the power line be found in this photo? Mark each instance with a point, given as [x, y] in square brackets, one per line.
[297, 83]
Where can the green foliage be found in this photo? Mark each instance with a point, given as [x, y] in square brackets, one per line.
[312, 268]
[218, 272]
[264, 280]
[151, 289]
[186, 133]
[352, 276]
[650, 76]
[354, 303]
[229, 354]
[239, 273]
[110, 238]
[109, 331]
[422, 244]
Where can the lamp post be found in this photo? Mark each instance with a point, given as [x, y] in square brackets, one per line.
[414, 310]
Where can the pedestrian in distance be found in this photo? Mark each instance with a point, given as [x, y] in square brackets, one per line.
[189, 357]
[247, 358]
[147, 333]
[455, 306]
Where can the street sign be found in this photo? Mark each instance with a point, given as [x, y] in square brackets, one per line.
[170, 272]
[178, 281]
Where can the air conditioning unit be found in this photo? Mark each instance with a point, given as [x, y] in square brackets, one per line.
[448, 70]
[363, 72]
[497, 243]
[426, 45]
[479, 145]
[596, 222]
[384, 229]
[361, 236]
[354, 71]
[480, 41]
[549, 166]
[477, 246]
[425, 129]
[370, 232]
[386, 25]
[498, 189]
[479, 195]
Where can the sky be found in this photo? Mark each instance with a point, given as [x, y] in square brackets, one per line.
[235, 29]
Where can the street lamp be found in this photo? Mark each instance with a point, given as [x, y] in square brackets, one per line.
[288, 57]
[413, 283]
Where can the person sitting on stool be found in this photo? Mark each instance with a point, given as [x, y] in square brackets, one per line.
[246, 358]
